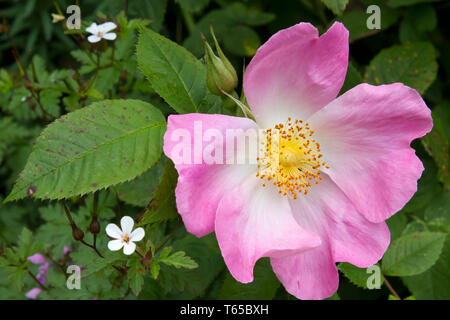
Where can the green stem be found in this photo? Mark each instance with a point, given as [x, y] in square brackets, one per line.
[188, 19]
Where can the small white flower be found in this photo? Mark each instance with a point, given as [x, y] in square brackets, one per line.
[124, 238]
[101, 31]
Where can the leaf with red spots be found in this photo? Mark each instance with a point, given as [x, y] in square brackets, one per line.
[91, 149]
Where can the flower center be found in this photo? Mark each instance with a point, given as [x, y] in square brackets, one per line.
[99, 34]
[290, 158]
[126, 238]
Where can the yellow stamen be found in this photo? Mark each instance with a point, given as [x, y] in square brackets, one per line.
[290, 158]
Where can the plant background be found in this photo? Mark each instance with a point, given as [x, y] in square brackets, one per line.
[47, 72]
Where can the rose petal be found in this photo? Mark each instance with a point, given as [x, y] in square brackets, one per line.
[365, 137]
[254, 222]
[346, 236]
[201, 186]
[295, 73]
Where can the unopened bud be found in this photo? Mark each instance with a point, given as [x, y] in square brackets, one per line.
[220, 72]
[77, 233]
[94, 227]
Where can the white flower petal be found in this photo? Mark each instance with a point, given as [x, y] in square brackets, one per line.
[127, 224]
[137, 235]
[93, 28]
[129, 248]
[106, 27]
[113, 231]
[94, 39]
[109, 36]
[115, 245]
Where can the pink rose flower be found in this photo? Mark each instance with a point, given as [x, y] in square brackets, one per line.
[345, 165]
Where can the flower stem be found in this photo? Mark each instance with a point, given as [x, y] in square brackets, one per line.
[391, 289]
[169, 236]
[36, 280]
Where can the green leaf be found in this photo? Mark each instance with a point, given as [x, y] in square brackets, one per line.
[357, 276]
[433, 284]
[193, 5]
[162, 207]
[150, 9]
[193, 283]
[437, 145]
[263, 287]
[401, 3]
[177, 259]
[104, 144]
[397, 224]
[135, 276]
[413, 64]
[175, 74]
[242, 41]
[352, 79]
[413, 253]
[141, 190]
[356, 20]
[337, 6]
[417, 21]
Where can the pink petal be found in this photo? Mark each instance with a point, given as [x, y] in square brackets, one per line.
[295, 73]
[346, 236]
[254, 222]
[365, 137]
[311, 275]
[201, 186]
[37, 258]
[33, 293]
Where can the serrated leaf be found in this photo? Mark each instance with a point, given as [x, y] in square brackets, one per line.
[413, 64]
[396, 224]
[433, 284]
[174, 73]
[135, 276]
[413, 253]
[194, 282]
[104, 144]
[179, 260]
[141, 190]
[357, 276]
[263, 287]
